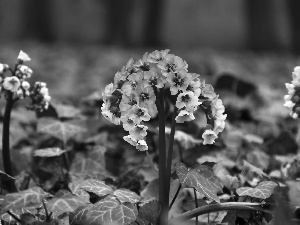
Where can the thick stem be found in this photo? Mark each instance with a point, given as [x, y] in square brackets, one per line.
[5, 141]
[220, 207]
[170, 151]
[163, 194]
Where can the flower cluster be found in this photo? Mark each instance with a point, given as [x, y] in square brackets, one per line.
[17, 85]
[132, 98]
[292, 99]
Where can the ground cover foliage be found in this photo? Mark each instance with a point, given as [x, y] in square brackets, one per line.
[71, 166]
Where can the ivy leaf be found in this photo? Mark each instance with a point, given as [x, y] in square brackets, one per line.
[18, 212]
[64, 201]
[76, 190]
[66, 111]
[254, 169]
[263, 190]
[107, 211]
[125, 195]
[201, 178]
[29, 198]
[90, 161]
[97, 187]
[61, 130]
[48, 152]
[149, 212]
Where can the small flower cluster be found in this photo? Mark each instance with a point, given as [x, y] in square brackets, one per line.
[20, 88]
[131, 99]
[292, 99]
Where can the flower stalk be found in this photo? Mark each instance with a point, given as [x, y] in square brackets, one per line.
[5, 140]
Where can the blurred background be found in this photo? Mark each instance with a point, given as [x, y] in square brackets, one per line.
[80, 45]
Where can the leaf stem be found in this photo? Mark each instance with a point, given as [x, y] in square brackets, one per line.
[5, 140]
[14, 216]
[220, 207]
[196, 204]
[175, 196]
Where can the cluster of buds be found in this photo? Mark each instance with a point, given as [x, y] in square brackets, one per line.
[17, 85]
[292, 99]
[131, 99]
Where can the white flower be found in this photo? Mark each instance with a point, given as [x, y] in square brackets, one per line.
[3, 67]
[141, 145]
[47, 98]
[157, 56]
[138, 132]
[187, 100]
[128, 101]
[184, 116]
[11, 83]
[130, 140]
[128, 123]
[172, 64]
[20, 94]
[209, 137]
[291, 88]
[289, 104]
[25, 85]
[44, 91]
[26, 71]
[138, 114]
[146, 95]
[110, 113]
[23, 56]
[178, 81]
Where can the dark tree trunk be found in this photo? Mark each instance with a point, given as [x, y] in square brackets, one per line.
[153, 22]
[294, 10]
[37, 20]
[261, 25]
[118, 22]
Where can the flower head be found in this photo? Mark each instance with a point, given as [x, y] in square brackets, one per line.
[11, 84]
[23, 57]
[209, 137]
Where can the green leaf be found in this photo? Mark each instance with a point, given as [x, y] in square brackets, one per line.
[91, 161]
[97, 187]
[66, 111]
[64, 201]
[18, 212]
[61, 130]
[254, 169]
[49, 152]
[108, 210]
[76, 190]
[125, 195]
[263, 190]
[149, 212]
[29, 198]
[201, 178]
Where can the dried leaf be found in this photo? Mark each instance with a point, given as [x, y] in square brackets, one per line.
[263, 190]
[201, 178]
